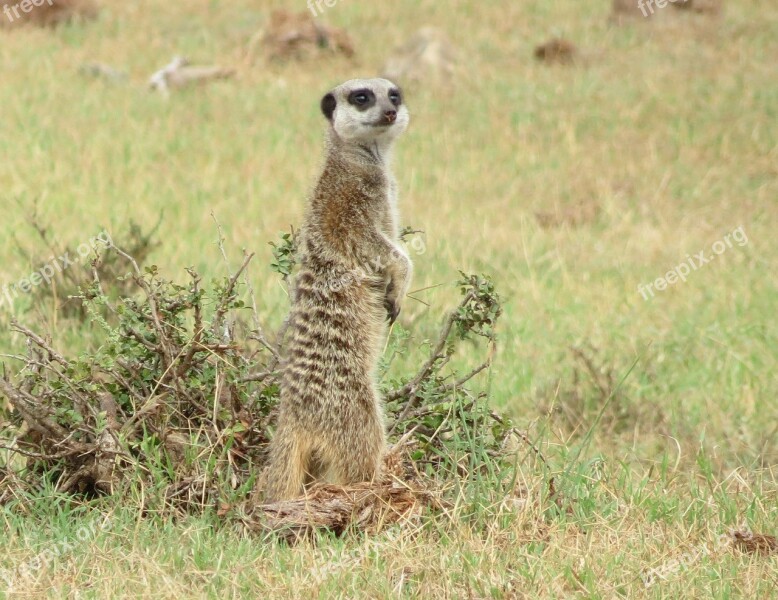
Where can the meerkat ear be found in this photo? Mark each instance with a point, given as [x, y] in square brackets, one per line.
[328, 104]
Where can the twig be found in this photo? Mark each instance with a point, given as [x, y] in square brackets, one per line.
[151, 297]
[30, 410]
[461, 381]
[40, 342]
[57, 456]
[261, 376]
[228, 293]
[438, 353]
[186, 363]
[261, 339]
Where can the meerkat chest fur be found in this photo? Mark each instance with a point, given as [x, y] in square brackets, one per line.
[353, 202]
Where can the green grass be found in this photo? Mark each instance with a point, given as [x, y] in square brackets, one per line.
[668, 132]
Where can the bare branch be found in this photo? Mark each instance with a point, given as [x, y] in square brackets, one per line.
[438, 353]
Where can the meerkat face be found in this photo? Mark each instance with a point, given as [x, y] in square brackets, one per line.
[366, 111]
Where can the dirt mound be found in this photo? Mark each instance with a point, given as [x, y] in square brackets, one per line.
[399, 495]
[754, 543]
[712, 7]
[47, 13]
[427, 55]
[299, 36]
[557, 51]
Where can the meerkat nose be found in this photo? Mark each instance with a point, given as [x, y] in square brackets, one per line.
[390, 116]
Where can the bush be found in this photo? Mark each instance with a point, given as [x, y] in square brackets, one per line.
[175, 400]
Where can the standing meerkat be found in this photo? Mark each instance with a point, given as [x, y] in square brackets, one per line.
[353, 276]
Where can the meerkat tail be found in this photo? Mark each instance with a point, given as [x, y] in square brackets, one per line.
[288, 467]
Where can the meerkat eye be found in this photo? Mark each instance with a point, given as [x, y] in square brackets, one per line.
[362, 99]
[395, 97]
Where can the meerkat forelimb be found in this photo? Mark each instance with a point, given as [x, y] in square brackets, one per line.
[353, 277]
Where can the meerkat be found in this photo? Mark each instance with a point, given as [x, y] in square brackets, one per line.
[353, 277]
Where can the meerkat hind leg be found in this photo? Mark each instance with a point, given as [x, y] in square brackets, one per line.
[356, 459]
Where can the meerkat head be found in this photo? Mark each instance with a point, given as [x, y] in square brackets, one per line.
[367, 112]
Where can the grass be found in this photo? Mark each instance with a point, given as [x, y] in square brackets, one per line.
[668, 135]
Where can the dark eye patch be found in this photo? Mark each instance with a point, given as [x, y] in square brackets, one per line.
[362, 99]
[395, 97]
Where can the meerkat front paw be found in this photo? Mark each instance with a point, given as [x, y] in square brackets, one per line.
[395, 292]
[392, 305]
